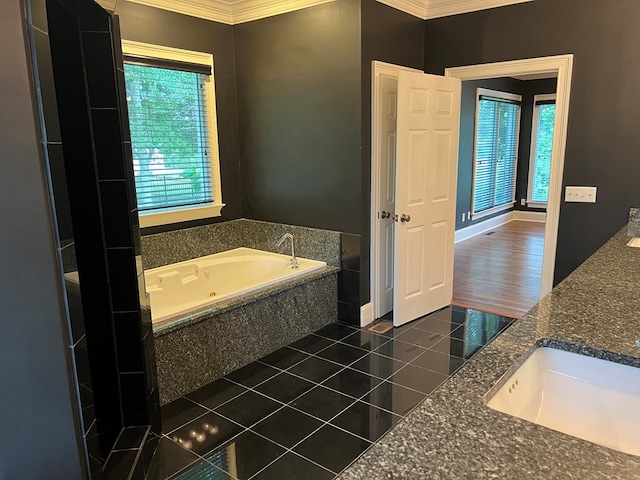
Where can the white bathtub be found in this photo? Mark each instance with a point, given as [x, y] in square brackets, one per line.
[181, 287]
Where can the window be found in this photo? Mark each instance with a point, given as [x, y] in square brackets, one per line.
[170, 97]
[496, 151]
[544, 115]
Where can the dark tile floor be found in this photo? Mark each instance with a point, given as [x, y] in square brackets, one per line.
[310, 409]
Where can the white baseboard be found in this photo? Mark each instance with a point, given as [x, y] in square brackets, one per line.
[526, 216]
[478, 228]
[366, 314]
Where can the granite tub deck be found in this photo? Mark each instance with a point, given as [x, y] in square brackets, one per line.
[454, 435]
[195, 349]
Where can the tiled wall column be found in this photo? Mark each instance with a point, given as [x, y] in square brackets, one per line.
[76, 52]
[349, 279]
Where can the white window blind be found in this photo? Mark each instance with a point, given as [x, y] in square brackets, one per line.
[169, 136]
[542, 147]
[496, 152]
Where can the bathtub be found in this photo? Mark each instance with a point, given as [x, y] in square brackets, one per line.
[195, 284]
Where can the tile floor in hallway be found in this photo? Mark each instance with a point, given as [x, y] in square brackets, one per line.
[308, 410]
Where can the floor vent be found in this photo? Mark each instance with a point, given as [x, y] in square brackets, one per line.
[490, 233]
[382, 327]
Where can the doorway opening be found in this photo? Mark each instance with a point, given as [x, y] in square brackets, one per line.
[506, 139]
[556, 66]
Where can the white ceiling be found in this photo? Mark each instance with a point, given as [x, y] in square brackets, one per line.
[238, 11]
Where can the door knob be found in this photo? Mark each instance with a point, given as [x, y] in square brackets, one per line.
[405, 218]
[384, 214]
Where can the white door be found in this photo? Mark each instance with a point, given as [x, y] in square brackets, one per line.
[387, 196]
[426, 177]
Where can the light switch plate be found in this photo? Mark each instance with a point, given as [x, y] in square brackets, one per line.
[580, 194]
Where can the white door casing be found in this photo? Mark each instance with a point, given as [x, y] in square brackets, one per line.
[384, 105]
[560, 66]
[426, 178]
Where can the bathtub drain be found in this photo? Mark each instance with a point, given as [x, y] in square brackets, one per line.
[212, 294]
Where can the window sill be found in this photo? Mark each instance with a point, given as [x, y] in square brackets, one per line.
[532, 204]
[179, 215]
[491, 211]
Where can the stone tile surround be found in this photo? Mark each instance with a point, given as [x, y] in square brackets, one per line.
[177, 246]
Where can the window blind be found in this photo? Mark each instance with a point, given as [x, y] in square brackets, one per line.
[167, 64]
[498, 125]
[545, 119]
[169, 137]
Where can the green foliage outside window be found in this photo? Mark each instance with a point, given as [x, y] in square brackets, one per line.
[543, 149]
[169, 136]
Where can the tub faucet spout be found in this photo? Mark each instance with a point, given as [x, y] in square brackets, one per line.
[294, 260]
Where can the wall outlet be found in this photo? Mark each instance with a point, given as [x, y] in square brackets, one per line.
[523, 202]
[463, 216]
[580, 194]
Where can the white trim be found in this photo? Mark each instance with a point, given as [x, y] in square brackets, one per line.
[534, 143]
[248, 10]
[109, 5]
[481, 227]
[129, 47]
[492, 210]
[428, 9]
[536, 204]
[495, 222]
[231, 12]
[378, 69]
[240, 11]
[498, 94]
[366, 314]
[174, 215]
[179, 215]
[562, 66]
[417, 8]
[527, 216]
[444, 8]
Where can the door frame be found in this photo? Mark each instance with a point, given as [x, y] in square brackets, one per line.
[562, 67]
[378, 69]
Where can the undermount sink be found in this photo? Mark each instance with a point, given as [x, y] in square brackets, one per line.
[589, 398]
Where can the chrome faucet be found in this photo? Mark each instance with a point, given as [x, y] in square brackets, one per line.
[294, 260]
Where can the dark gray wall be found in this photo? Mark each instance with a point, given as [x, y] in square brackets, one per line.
[298, 81]
[151, 25]
[37, 412]
[602, 143]
[392, 36]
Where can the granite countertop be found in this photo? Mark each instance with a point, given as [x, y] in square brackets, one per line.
[454, 435]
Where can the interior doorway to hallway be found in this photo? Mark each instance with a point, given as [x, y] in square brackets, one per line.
[560, 66]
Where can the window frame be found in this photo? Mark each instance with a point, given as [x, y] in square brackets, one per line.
[505, 206]
[534, 142]
[183, 214]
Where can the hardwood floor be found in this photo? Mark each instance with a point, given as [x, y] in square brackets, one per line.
[499, 271]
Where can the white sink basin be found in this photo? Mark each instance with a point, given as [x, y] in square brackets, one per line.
[589, 398]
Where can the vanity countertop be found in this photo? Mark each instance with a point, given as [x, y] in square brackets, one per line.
[454, 435]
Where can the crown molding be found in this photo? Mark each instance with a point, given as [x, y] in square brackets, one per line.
[232, 12]
[109, 5]
[427, 9]
[229, 11]
[445, 8]
[214, 10]
[417, 8]
[248, 10]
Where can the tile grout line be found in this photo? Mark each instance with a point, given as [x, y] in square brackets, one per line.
[282, 405]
